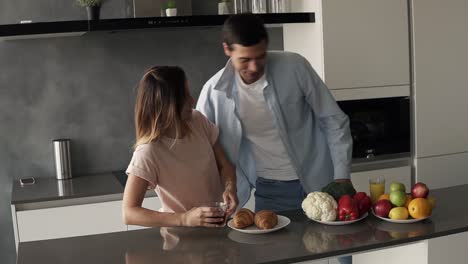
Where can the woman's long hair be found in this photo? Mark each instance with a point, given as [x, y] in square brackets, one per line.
[160, 100]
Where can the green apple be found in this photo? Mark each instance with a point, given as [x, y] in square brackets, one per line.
[398, 198]
[397, 186]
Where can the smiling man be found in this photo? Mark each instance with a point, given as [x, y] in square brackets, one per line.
[278, 121]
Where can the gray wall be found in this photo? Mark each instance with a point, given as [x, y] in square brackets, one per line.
[83, 88]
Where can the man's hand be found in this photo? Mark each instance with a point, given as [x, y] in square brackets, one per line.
[230, 198]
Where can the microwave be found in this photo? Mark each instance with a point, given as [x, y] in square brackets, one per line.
[379, 127]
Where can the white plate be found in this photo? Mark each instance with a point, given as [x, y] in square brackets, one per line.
[336, 223]
[283, 221]
[407, 221]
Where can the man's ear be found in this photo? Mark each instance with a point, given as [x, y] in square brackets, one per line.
[227, 51]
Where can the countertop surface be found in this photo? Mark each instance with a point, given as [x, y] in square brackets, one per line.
[301, 240]
[50, 189]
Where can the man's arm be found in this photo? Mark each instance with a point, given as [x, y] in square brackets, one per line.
[227, 173]
[333, 122]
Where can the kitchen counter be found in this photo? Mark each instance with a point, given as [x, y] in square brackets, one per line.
[79, 190]
[300, 241]
[50, 189]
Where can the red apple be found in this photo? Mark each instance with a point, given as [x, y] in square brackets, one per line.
[382, 208]
[419, 190]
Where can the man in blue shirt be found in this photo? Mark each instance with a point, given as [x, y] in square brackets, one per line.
[278, 121]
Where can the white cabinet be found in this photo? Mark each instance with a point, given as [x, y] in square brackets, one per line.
[306, 38]
[365, 43]
[69, 221]
[448, 249]
[443, 171]
[415, 253]
[440, 91]
[399, 174]
[152, 203]
[354, 44]
[440, 76]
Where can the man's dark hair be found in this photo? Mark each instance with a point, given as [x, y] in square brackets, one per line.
[244, 29]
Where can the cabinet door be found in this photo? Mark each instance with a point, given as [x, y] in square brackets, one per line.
[415, 253]
[440, 67]
[443, 171]
[400, 174]
[152, 203]
[306, 38]
[448, 249]
[69, 221]
[365, 43]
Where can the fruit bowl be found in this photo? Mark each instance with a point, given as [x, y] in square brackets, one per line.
[406, 221]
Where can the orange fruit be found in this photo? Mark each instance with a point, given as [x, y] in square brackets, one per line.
[408, 200]
[419, 208]
[384, 196]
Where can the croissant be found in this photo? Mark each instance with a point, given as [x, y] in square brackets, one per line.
[243, 218]
[266, 219]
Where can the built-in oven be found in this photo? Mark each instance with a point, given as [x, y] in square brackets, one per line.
[380, 127]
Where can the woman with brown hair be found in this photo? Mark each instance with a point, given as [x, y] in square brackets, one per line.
[177, 153]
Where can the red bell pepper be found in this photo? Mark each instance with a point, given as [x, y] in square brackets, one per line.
[364, 202]
[347, 208]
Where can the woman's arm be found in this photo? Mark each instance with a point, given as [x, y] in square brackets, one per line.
[228, 177]
[134, 214]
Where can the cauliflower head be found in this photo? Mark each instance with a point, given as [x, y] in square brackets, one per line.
[320, 206]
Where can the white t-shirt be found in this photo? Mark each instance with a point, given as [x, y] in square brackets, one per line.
[272, 160]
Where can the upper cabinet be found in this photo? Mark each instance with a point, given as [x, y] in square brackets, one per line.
[355, 44]
[366, 43]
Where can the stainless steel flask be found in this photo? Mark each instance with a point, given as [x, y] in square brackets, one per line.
[62, 159]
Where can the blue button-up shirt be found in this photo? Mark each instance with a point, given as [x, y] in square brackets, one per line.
[314, 130]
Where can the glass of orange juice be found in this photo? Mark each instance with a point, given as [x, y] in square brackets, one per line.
[376, 188]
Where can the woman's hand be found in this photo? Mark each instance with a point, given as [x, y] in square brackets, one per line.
[230, 198]
[203, 216]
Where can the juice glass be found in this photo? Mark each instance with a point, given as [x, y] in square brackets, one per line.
[376, 188]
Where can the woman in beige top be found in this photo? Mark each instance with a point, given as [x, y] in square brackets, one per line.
[177, 153]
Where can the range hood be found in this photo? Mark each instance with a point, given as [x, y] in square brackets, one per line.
[141, 21]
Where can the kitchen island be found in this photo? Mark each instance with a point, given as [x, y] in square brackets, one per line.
[301, 240]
